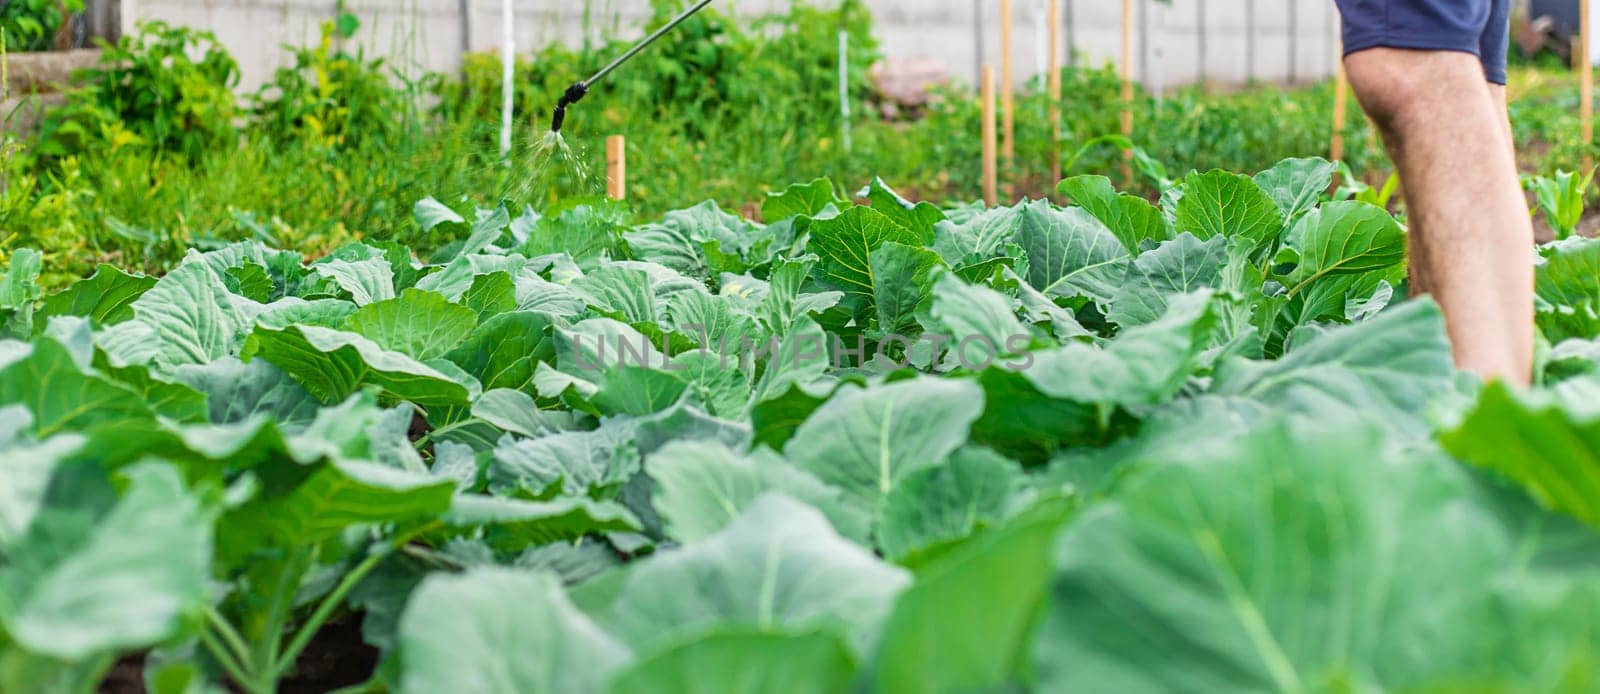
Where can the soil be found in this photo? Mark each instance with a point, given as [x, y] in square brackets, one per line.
[337, 657]
[126, 677]
[1588, 226]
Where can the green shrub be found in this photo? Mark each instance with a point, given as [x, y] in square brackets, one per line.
[149, 90]
[330, 97]
[31, 25]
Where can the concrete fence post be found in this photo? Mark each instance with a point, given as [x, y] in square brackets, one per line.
[1250, 40]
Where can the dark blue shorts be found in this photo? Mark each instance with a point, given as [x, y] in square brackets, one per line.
[1479, 27]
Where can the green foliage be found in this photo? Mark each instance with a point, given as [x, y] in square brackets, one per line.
[879, 445]
[330, 97]
[166, 88]
[31, 25]
[1561, 199]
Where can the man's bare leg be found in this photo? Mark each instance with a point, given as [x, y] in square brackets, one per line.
[1472, 234]
[1421, 282]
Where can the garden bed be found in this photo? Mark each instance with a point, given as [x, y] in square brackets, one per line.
[866, 444]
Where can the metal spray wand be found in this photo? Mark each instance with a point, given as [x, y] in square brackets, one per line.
[578, 90]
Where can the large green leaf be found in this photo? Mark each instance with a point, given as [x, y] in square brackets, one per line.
[584, 232]
[798, 358]
[1567, 284]
[1219, 203]
[1179, 266]
[844, 245]
[489, 226]
[718, 324]
[455, 279]
[1297, 184]
[87, 581]
[365, 281]
[777, 566]
[419, 324]
[332, 364]
[983, 236]
[788, 299]
[491, 295]
[978, 321]
[19, 290]
[964, 625]
[430, 214]
[1272, 562]
[917, 217]
[494, 630]
[580, 461]
[1388, 368]
[1027, 424]
[1131, 218]
[1038, 308]
[19, 286]
[1344, 238]
[504, 351]
[332, 497]
[1145, 365]
[618, 290]
[26, 467]
[677, 241]
[946, 503]
[800, 199]
[866, 440]
[902, 277]
[704, 485]
[1541, 441]
[61, 395]
[1070, 253]
[194, 318]
[237, 390]
[637, 390]
[775, 418]
[512, 525]
[745, 661]
[713, 380]
[105, 298]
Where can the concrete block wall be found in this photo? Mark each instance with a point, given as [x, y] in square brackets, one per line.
[1184, 42]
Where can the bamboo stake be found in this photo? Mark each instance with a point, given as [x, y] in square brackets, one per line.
[1007, 95]
[616, 168]
[1585, 85]
[1055, 88]
[991, 183]
[1127, 88]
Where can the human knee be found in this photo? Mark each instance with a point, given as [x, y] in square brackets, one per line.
[1396, 86]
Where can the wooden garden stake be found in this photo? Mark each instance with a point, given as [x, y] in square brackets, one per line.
[991, 183]
[1007, 97]
[616, 168]
[1585, 85]
[1127, 88]
[1055, 88]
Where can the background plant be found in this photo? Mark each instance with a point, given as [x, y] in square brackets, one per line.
[331, 97]
[338, 146]
[166, 88]
[1561, 199]
[31, 25]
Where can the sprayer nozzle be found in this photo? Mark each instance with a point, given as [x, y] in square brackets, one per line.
[575, 93]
